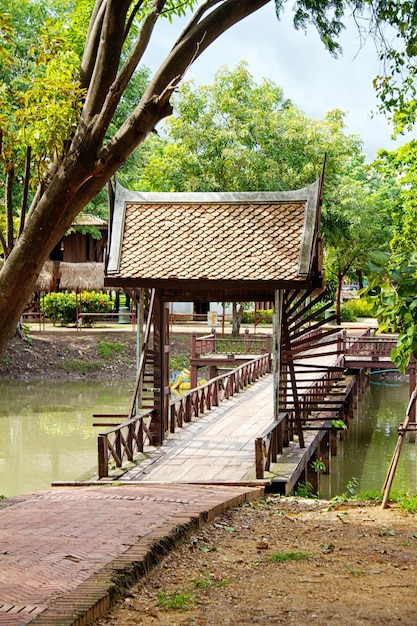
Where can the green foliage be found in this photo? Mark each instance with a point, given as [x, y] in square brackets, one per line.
[282, 557]
[178, 601]
[179, 362]
[81, 367]
[318, 466]
[361, 307]
[94, 302]
[338, 424]
[394, 290]
[350, 493]
[264, 315]
[237, 135]
[406, 502]
[305, 490]
[61, 307]
[108, 349]
[347, 314]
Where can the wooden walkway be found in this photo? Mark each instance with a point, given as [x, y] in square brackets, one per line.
[219, 446]
[216, 447]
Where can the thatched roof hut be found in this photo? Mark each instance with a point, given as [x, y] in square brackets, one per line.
[46, 277]
[81, 276]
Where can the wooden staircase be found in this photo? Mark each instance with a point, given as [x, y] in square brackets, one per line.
[303, 337]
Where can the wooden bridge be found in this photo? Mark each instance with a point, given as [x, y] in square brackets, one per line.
[225, 430]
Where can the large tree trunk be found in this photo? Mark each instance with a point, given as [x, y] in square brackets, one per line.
[88, 164]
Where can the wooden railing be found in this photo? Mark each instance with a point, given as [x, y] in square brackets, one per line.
[269, 444]
[213, 344]
[122, 442]
[196, 401]
[125, 440]
[370, 346]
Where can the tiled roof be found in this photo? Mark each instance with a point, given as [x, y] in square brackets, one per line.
[234, 237]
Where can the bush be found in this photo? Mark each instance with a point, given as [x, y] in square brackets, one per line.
[346, 314]
[266, 316]
[94, 302]
[361, 307]
[61, 307]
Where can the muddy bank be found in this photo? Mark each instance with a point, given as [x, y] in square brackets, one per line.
[69, 354]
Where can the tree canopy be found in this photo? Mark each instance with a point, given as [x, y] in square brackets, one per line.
[72, 128]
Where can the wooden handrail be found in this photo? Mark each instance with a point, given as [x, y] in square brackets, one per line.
[121, 442]
[142, 356]
[246, 344]
[196, 401]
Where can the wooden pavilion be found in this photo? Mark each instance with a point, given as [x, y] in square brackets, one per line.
[250, 246]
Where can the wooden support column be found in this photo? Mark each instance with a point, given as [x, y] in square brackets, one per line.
[276, 345]
[160, 421]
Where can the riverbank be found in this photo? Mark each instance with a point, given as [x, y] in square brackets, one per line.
[68, 354]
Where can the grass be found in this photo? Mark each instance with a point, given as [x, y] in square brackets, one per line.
[281, 557]
[178, 601]
[179, 362]
[108, 349]
[353, 570]
[81, 367]
[185, 600]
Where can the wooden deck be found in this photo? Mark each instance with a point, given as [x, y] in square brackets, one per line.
[217, 447]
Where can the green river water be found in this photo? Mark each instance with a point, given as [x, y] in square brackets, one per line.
[46, 435]
[46, 430]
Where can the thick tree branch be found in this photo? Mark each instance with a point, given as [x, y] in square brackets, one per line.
[25, 193]
[117, 89]
[108, 55]
[154, 102]
[92, 43]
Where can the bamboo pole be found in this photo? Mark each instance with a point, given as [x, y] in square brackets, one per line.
[396, 456]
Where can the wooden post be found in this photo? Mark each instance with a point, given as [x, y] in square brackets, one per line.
[333, 443]
[103, 456]
[159, 423]
[324, 452]
[276, 365]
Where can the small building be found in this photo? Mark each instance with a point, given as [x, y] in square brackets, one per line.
[213, 247]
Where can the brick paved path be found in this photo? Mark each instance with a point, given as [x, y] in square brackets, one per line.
[65, 552]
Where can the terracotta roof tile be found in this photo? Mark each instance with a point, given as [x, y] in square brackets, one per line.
[242, 237]
[253, 241]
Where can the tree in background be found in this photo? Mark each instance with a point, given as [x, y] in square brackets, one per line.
[359, 224]
[78, 160]
[394, 274]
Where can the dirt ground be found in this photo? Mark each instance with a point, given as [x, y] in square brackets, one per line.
[284, 561]
[278, 561]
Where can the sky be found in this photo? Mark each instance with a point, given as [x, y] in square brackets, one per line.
[297, 62]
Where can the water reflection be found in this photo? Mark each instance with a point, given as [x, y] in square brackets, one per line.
[46, 430]
[369, 444]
